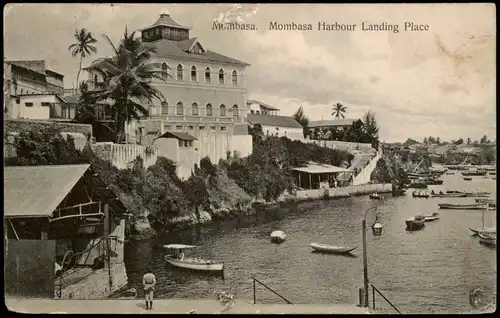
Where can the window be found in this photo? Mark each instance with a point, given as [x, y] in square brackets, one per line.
[168, 127]
[194, 109]
[257, 112]
[164, 108]
[95, 79]
[21, 91]
[164, 71]
[45, 104]
[207, 75]
[190, 143]
[223, 128]
[202, 127]
[190, 127]
[213, 128]
[209, 110]
[157, 31]
[28, 104]
[235, 112]
[235, 78]
[180, 109]
[178, 127]
[181, 143]
[179, 72]
[186, 143]
[222, 110]
[221, 76]
[194, 78]
[251, 112]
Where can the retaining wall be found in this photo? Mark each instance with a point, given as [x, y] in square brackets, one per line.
[363, 189]
[123, 155]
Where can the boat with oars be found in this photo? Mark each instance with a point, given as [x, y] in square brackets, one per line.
[483, 230]
[193, 263]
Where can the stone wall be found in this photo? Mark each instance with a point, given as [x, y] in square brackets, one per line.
[123, 155]
[351, 147]
[38, 125]
[345, 191]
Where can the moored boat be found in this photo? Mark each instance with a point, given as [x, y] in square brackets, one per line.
[477, 194]
[467, 178]
[448, 195]
[375, 196]
[415, 223]
[450, 173]
[332, 249]
[477, 206]
[491, 202]
[431, 217]
[278, 237]
[488, 239]
[418, 185]
[477, 231]
[474, 173]
[177, 259]
[418, 194]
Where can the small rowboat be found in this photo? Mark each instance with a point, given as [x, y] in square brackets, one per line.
[479, 206]
[192, 263]
[431, 217]
[376, 196]
[415, 223]
[467, 178]
[420, 195]
[332, 249]
[449, 195]
[491, 202]
[477, 194]
[488, 239]
[278, 237]
[477, 231]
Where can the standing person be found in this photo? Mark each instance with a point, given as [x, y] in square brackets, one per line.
[149, 282]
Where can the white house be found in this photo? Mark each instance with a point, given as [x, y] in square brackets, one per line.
[39, 106]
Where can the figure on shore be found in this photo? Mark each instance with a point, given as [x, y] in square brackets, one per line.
[149, 282]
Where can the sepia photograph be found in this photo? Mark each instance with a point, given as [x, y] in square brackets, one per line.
[168, 158]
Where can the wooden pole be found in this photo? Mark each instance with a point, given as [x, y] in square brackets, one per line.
[365, 265]
[310, 182]
[299, 185]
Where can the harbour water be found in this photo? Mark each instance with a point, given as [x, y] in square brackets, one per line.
[427, 271]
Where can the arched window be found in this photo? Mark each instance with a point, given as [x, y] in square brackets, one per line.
[235, 78]
[221, 76]
[194, 109]
[194, 76]
[209, 110]
[164, 108]
[164, 71]
[207, 75]
[235, 112]
[179, 72]
[180, 109]
[222, 110]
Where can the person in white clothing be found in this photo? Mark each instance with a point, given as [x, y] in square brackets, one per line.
[149, 282]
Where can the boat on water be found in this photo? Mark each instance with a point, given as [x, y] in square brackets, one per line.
[418, 185]
[482, 230]
[432, 181]
[177, 259]
[431, 217]
[477, 194]
[492, 173]
[278, 237]
[375, 196]
[448, 195]
[418, 194]
[488, 239]
[491, 202]
[467, 178]
[477, 206]
[474, 173]
[332, 249]
[415, 223]
[450, 173]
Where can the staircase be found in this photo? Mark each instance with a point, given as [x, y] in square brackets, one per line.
[367, 166]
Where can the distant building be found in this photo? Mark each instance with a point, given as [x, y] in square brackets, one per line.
[256, 107]
[33, 91]
[339, 124]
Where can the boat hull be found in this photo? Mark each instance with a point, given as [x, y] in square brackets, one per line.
[462, 206]
[477, 231]
[278, 237]
[488, 240]
[450, 195]
[330, 249]
[414, 225]
[193, 264]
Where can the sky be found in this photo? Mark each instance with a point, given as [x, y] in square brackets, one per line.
[439, 82]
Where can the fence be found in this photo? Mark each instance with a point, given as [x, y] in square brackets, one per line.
[30, 268]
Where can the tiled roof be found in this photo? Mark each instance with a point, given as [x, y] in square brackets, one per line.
[253, 101]
[167, 48]
[177, 135]
[272, 120]
[331, 123]
[36, 191]
[32, 65]
[166, 20]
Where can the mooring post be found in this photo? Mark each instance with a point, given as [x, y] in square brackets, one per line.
[254, 300]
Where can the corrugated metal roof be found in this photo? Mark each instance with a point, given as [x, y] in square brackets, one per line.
[186, 44]
[273, 120]
[33, 65]
[318, 168]
[253, 101]
[331, 123]
[36, 191]
[177, 135]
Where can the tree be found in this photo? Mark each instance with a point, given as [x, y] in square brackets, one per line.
[484, 140]
[128, 76]
[371, 128]
[339, 110]
[431, 140]
[198, 194]
[425, 140]
[83, 47]
[256, 132]
[459, 141]
[438, 140]
[302, 119]
[469, 140]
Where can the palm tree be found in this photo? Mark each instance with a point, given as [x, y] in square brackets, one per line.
[128, 76]
[83, 47]
[339, 110]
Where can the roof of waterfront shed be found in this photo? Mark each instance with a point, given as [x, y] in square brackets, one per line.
[36, 191]
[332, 123]
[177, 135]
[273, 120]
[320, 168]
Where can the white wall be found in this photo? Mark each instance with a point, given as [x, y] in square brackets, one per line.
[290, 133]
[365, 175]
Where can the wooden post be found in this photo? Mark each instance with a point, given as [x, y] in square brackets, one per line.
[254, 300]
[310, 182]
[299, 185]
[44, 235]
[107, 221]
